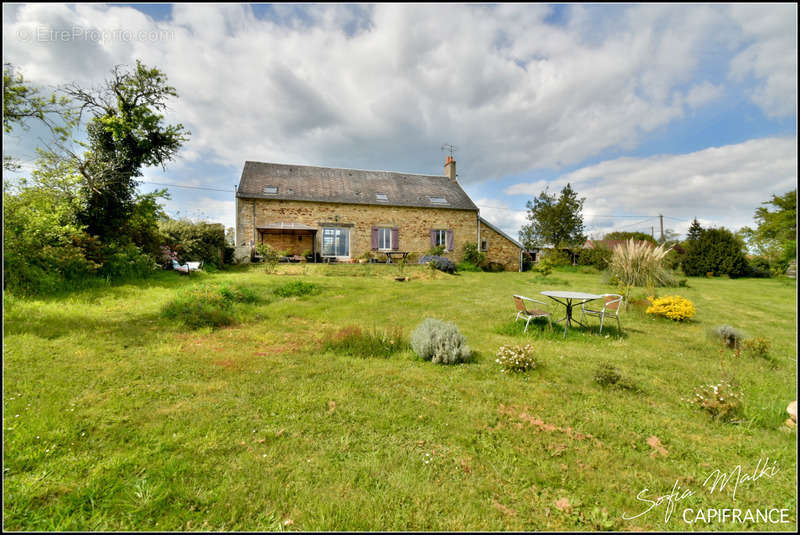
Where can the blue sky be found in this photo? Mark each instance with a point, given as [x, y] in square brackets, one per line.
[681, 110]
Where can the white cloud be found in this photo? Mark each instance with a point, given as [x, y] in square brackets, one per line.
[383, 86]
[720, 185]
[500, 214]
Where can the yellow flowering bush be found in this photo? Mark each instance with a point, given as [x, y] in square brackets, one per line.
[674, 307]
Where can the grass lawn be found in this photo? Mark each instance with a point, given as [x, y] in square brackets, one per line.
[115, 418]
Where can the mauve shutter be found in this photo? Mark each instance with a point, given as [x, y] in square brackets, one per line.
[450, 240]
[374, 238]
[395, 239]
[433, 238]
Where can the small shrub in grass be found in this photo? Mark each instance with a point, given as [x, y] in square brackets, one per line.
[238, 294]
[730, 336]
[440, 342]
[608, 376]
[200, 307]
[723, 401]
[296, 289]
[354, 341]
[674, 307]
[516, 359]
[467, 266]
[756, 347]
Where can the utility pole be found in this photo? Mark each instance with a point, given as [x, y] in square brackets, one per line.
[651, 233]
[661, 218]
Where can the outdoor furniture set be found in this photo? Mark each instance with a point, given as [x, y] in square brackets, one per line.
[527, 309]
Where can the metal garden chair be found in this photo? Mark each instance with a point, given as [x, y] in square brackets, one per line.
[527, 312]
[611, 307]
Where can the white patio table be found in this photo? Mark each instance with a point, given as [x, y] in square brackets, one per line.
[558, 295]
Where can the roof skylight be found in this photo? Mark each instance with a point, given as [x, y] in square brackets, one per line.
[438, 200]
[270, 190]
[381, 197]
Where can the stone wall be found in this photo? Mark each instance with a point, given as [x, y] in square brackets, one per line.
[500, 249]
[414, 224]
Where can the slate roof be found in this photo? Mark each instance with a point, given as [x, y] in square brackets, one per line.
[351, 186]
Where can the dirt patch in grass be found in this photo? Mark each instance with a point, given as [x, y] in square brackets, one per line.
[524, 416]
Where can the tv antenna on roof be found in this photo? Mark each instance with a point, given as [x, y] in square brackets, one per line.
[449, 147]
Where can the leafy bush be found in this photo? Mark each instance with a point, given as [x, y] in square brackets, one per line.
[436, 251]
[126, 262]
[557, 257]
[756, 347]
[516, 359]
[467, 266]
[494, 267]
[542, 267]
[296, 289]
[239, 294]
[730, 336]
[439, 342]
[353, 341]
[195, 241]
[723, 401]
[674, 307]
[269, 256]
[197, 307]
[607, 376]
[598, 257]
[473, 255]
[439, 262]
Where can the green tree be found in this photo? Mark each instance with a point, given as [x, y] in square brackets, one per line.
[775, 237]
[125, 133]
[554, 220]
[23, 102]
[622, 235]
[715, 250]
[695, 230]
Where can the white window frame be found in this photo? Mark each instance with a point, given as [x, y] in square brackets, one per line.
[342, 230]
[384, 239]
[441, 238]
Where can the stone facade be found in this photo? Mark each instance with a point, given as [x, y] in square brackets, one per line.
[413, 224]
[500, 249]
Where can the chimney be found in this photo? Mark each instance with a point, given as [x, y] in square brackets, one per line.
[450, 168]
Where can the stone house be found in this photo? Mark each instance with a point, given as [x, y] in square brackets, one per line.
[344, 213]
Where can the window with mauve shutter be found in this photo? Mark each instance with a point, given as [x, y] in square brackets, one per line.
[395, 239]
[374, 241]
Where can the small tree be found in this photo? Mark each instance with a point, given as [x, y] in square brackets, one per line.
[269, 255]
[554, 220]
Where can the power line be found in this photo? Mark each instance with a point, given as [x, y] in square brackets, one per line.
[187, 187]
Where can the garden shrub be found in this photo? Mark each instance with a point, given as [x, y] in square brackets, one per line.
[436, 251]
[557, 257]
[467, 266]
[126, 262]
[269, 256]
[674, 307]
[723, 401]
[473, 255]
[239, 294]
[195, 241]
[640, 264]
[296, 289]
[516, 358]
[756, 347]
[730, 336]
[440, 342]
[608, 376]
[353, 341]
[203, 306]
[439, 262]
[494, 267]
[598, 257]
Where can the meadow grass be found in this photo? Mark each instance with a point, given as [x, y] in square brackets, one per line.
[118, 418]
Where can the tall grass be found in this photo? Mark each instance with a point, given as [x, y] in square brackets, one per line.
[640, 264]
